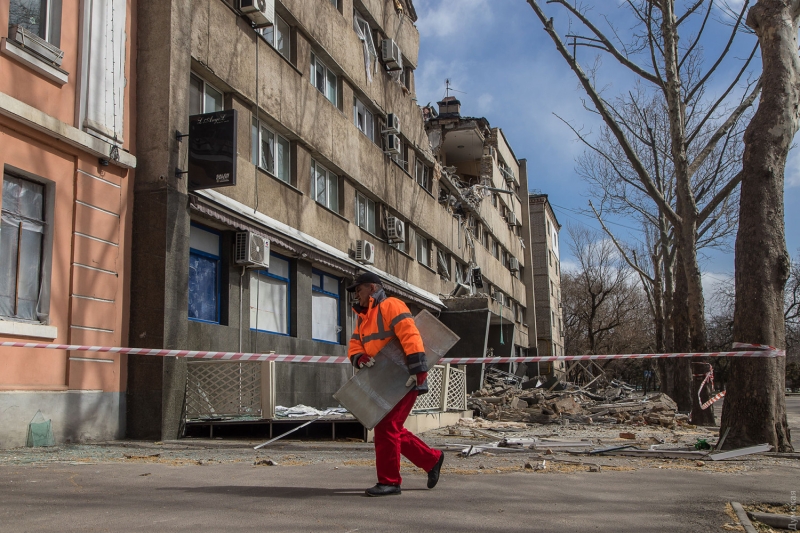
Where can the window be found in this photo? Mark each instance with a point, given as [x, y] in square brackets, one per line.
[279, 36]
[324, 186]
[485, 236]
[203, 98]
[269, 297]
[325, 321]
[460, 272]
[365, 213]
[364, 119]
[324, 80]
[423, 175]
[204, 274]
[335, 3]
[406, 77]
[270, 151]
[495, 248]
[494, 199]
[423, 250]
[40, 17]
[22, 247]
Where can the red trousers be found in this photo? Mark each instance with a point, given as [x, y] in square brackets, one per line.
[392, 439]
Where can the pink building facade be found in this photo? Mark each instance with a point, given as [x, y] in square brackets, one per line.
[66, 152]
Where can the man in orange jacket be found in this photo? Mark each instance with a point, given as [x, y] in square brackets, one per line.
[380, 319]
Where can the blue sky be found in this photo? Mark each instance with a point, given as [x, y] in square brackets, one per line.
[508, 70]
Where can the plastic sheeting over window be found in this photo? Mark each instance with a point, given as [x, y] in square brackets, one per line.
[269, 297]
[21, 246]
[325, 307]
[204, 271]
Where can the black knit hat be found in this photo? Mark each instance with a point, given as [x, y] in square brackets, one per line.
[364, 277]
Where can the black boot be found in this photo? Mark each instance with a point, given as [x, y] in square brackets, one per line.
[383, 490]
[433, 475]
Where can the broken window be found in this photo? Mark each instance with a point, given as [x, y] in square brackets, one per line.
[362, 29]
[443, 264]
[204, 274]
[423, 175]
[364, 119]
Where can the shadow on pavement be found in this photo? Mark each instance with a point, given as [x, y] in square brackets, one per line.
[274, 492]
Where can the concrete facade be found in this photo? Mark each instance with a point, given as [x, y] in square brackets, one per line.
[60, 138]
[547, 277]
[185, 44]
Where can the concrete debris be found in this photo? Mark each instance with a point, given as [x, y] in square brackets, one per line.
[504, 398]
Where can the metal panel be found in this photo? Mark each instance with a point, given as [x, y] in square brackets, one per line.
[373, 392]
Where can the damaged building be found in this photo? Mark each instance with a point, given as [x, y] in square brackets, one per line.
[330, 173]
[546, 279]
[480, 186]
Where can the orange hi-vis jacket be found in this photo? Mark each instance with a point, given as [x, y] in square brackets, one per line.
[383, 320]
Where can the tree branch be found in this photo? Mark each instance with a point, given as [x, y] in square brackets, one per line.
[723, 129]
[630, 153]
[610, 48]
[722, 55]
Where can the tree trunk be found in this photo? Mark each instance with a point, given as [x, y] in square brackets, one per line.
[755, 408]
[679, 369]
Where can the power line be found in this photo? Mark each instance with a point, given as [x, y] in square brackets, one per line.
[577, 212]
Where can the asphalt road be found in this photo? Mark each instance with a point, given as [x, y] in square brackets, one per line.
[329, 497]
[326, 494]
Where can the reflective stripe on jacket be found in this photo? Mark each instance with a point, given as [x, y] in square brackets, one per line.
[384, 319]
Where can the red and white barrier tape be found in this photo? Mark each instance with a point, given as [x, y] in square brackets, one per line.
[239, 356]
[712, 400]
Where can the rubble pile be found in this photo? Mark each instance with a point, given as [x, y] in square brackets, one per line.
[504, 398]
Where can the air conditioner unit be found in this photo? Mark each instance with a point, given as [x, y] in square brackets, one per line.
[36, 44]
[261, 12]
[390, 53]
[395, 230]
[392, 144]
[513, 264]
[497, 296]
[511, 216]
[365, 252]
[392, 124]
[251, 249]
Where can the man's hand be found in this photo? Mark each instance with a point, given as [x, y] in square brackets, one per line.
[364, 360]
[417, 379]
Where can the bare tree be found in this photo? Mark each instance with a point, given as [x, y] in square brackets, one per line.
[677, 76]
[605, 309]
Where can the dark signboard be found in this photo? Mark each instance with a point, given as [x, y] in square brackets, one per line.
[212, 150]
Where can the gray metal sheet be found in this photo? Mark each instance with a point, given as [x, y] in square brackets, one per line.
[374, 391]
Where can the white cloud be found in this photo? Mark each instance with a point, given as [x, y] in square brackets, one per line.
[446, 18]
